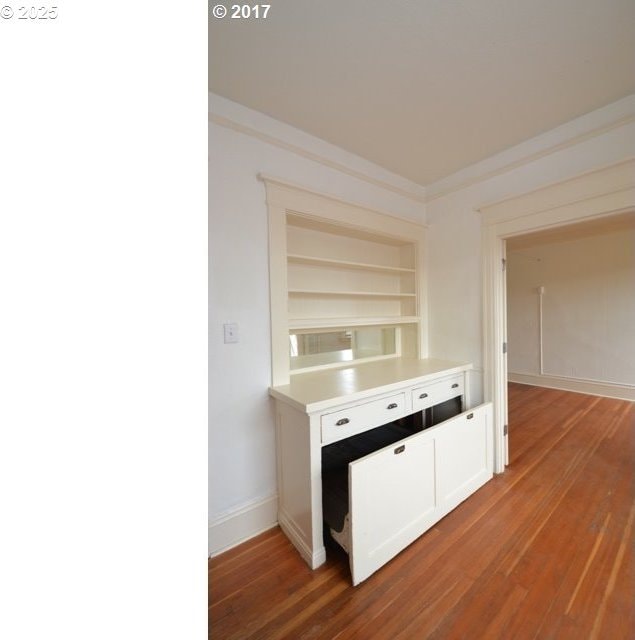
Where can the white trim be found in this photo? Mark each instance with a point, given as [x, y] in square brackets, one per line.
[590, 125]
[241, 524]
[266, 178]
[586, 185]
[494, 378]
[313, 559]
[578, 385]
[236, 117]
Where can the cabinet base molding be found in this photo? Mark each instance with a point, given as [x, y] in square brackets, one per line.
[313, 559]
[593, 388]
[241, 524]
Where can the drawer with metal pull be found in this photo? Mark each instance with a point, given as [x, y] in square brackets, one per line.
[348, 422]
[431, 394]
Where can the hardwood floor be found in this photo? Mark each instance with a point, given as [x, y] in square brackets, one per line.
[544, 550]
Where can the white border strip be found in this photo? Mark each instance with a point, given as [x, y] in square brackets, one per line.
[607, 390]
[240, 525]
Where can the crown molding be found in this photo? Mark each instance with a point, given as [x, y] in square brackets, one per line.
[243, 120]
[591, 125]
[248, 122]
[269, 179]
[612, 178]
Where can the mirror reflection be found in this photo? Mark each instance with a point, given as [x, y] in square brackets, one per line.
[329, 347]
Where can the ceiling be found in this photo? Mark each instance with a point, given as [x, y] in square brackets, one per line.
[426, 87]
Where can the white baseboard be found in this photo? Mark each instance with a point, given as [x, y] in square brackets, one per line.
[315, 559]
[606, 389]
[241, 524]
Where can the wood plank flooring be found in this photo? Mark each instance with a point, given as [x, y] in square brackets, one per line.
[544, 550]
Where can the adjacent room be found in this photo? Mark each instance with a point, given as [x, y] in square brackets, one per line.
[422, 301]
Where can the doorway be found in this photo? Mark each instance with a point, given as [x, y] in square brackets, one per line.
[589, 197]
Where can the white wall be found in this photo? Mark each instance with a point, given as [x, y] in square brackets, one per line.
[454, 234]
[588, 308]
[242, 465]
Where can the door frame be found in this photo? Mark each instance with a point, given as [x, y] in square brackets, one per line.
[594, 194]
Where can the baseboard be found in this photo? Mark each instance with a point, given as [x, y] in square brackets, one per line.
[606, 389]
[315, 559]
[241, 524]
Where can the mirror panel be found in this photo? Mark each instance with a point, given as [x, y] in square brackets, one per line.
[330, 347]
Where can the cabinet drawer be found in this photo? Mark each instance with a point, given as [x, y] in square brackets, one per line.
[348, 422]
[431, 394]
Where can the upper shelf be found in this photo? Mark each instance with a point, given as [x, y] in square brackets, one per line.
[346, 264]
[296, 324]
[351, 294]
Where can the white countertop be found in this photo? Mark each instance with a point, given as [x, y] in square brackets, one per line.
[319, 390]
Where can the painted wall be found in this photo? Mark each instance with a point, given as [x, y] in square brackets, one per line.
[454, 234]
[588, 308]
[242, 463]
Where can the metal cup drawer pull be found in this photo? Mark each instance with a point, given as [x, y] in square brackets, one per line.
[455, 385]
[342, 421]
[392, 405]
[470, 416]
[422, 396]
[400, 449]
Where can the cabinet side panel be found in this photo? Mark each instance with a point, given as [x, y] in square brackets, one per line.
[300, 489]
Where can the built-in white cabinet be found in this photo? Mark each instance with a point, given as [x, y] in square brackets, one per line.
[368, 438]
[394, 492]
[340, 267]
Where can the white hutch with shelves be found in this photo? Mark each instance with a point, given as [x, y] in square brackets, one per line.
[373, 448]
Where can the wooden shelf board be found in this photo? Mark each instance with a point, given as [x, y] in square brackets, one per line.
[350, 294]
[322, 323]
[346, 264]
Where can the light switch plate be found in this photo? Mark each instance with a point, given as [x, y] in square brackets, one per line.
[231, 332]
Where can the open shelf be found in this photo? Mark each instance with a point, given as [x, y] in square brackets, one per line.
[336, 266]
[296, 324]
[350, 294]
[341, 277]
[346, 264]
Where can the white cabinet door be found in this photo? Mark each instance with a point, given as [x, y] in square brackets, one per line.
[463, 456]
[391, 502]
[397, 493]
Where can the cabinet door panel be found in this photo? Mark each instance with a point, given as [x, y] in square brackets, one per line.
[392, 502]
[397, 493]
[464, 456]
